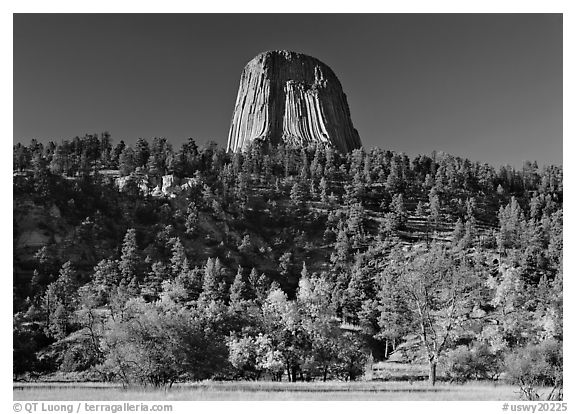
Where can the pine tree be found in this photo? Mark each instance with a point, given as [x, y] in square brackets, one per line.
[67, 285]
[349, 197]
[285, 265]
[428, 181]
[129, 257]
[323, 190]
[329, 166]
[155, 166]
[21, 157]
[356, 215]
[356, 159]
[59, 321]
[60, 300]
[394, 182]
[191, 218]
[304, 272]
[116, 152]
[470, 208]
[420, 209]
[512, 221]
[536, 204]
[434, 200]
[260, 284]
[240, 291]
[141, 152]
[304, 171]
[241, 188]
[60, 163]
[441, 179]
[398, 208]
[297, 194]
[245, 245]
[470, 231]
[126, 163]
[178, 261]
[367, 169]
[213, 286]
[341, 248]
[358, 186]
[106, 277]
[313, 189]
[190, 283]
[458, 232]
[316, 168]
[390, 224]
[152, 285]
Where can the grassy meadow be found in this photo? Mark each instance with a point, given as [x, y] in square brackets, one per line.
[262, 391]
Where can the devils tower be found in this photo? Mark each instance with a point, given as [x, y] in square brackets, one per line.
[291, 98]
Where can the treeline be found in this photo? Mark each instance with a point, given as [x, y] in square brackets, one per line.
[288, 262]
[96, 152]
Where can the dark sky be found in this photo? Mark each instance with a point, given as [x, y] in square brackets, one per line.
[487, 87]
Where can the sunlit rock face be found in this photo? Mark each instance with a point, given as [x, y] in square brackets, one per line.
[291, 98]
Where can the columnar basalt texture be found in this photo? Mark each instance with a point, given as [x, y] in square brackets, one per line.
[292, 98]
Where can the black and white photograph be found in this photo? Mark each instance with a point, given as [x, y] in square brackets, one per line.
[287, 207]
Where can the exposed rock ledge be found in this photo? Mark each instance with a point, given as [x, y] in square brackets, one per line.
[170, 186]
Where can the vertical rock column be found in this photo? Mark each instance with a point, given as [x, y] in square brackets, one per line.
[292, 98]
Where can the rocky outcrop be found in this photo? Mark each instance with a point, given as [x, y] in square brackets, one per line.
[292, 98]
[170, 185]
[138, 180]
[37, 225]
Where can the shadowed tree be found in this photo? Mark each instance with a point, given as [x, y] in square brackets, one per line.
[126, 162]
[60, 301]
[141, 153]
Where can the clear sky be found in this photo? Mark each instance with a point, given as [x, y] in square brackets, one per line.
[484, 86]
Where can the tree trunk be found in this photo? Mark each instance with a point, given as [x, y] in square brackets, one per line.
[325, 374]
[291, 374]
[432, 374]
[386, 350]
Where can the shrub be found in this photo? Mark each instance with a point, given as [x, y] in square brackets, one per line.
[243, 355]
[150, 347]
[475, 362]
[351, 358]
[536, 366]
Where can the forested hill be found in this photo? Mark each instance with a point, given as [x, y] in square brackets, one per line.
[298, 258]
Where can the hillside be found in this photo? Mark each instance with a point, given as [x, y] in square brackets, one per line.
[319, 249]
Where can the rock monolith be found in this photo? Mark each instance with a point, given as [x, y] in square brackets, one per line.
[291, 98]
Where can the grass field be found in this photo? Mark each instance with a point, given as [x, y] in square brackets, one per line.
[261, 391]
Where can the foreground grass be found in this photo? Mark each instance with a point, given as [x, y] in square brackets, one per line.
[262, 391]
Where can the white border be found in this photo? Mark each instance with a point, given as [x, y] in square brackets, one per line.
[300, 6]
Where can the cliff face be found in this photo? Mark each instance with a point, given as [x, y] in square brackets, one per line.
[292, 98]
